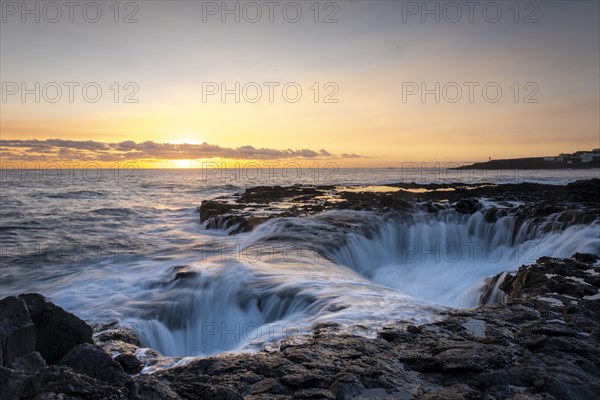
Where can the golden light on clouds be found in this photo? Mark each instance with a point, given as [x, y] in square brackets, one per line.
[337, 90]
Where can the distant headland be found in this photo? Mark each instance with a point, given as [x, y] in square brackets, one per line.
[577, 160]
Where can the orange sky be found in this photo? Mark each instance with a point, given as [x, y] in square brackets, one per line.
[366, 63]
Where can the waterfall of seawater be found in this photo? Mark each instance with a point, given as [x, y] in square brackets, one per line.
[344, 266]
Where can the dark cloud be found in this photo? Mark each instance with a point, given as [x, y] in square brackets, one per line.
[42, 150]
[352, 155]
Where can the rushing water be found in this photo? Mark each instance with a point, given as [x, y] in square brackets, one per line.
[103, 244]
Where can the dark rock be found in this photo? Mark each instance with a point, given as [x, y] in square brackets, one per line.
[346, 387]
[432, 208]
[491, 215]
[29, 363]
[496, 378]
[212, 208]
[585, 258]
[313, 393]
[474, 358]
[17, 331]
[150, 388]
[391, 334]
[183, 272]
[272, 386]
[59, 382]
[56, 330]
[243, 212]
[569, 385]
[524, 281]
[130, 363]
[303, 379]
[92, 361]
[215, 392]
[112, 331]
[467, 206]
[12, 383]
[454, 392]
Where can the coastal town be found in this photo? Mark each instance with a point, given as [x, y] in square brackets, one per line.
[582, 159]
[576, 158]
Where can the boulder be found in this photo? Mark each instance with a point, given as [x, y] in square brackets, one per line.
[60, 382]
[13, 383]
[150, 388]
[92, 361]
[113, 332]
[346, 387]
[56, 330]
[467, 206]
[17, 331]
[129, 363]
[29, 363]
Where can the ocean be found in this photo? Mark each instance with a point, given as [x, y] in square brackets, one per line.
[105, 244]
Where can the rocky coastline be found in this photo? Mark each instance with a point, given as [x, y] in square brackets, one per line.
[542, 343]
[536, 334]
[575, 202]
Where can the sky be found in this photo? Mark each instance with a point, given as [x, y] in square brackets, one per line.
[359, 83]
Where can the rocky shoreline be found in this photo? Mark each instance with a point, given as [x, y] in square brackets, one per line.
[542, 343]
[575, 202]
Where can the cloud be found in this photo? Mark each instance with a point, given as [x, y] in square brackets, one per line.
[58, 149]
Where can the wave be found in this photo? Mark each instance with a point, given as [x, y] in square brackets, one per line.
[116, 211]
[77, 194]
[447, 259]
[355, 268]
[349, 267]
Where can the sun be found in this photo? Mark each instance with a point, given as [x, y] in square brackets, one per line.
[184, 163]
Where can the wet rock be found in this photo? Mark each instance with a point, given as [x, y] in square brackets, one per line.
[56, 330]
[473, 358]
[243, 212]
[183, 272]
[17, 331]
[113, 332]
[129, 363]
[491, 215]
[320, 394]
[347, 386]
[526, 281]
[432, 208]
[585, 258]
[29, 363]
[453, 392]
[270, 385]
[92, 361]
[301, 379]
[13, 383]
[60, 382]
[206, 391]
[212, 208]
[467, 206]
[150, 388]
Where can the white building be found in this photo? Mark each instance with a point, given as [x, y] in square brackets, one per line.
[587, 157]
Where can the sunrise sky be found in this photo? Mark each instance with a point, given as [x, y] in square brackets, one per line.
[177, 52]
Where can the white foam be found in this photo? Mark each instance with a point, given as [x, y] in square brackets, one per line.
[552, 301]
